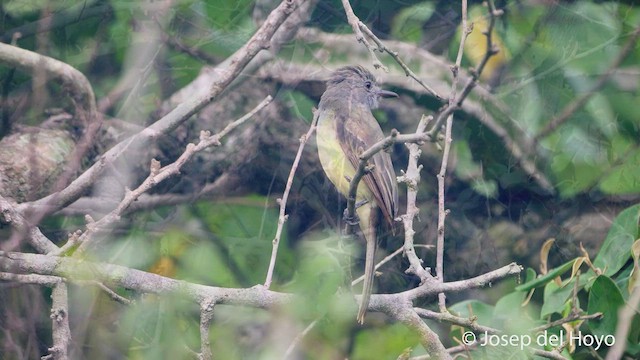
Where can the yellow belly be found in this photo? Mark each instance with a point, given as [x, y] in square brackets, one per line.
[340, 171]
[334, 162]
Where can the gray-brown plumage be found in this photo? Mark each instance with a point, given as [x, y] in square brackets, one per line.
[347, 128]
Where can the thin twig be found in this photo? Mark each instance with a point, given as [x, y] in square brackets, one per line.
[174, 43]
[553, 354]
[442, 213]
[299, 338]
[434, 287]
[570, 318]
[358, 27]
[394, 54]
[470, 323]
[475, 73]
[355, 25]
[282, 217]
[112, 294]
[382, 262]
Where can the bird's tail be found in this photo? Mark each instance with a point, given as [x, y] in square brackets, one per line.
[368, 219]
[367, 287]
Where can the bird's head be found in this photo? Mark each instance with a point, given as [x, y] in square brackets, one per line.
[357, 83]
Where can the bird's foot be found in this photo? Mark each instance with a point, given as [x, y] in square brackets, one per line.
[353, 220]
[350, 220]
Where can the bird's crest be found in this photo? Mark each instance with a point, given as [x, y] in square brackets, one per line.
[347, 72]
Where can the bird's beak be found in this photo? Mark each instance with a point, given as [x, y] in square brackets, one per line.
[386, 94]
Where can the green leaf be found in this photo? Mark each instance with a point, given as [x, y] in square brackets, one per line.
[319, 276]
[205, 264]
[546, 278]
[578, 162]
[530, 275]
[555, 298]
[407, 24]
[509, 314]
[625, 177]
[604, 297]
[299, 103]
[19, 8]
[228, 15]
[469, 170]
[616, 249]
[482, 311]
[384, 342]
[242, 233]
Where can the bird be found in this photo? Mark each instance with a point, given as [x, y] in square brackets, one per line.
[346, 128]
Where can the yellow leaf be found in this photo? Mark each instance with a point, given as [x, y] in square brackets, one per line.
[544, 255]
[475, 46]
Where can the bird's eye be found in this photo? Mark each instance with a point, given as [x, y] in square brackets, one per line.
[368, 84]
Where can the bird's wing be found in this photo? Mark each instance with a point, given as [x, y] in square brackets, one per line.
[359, 133]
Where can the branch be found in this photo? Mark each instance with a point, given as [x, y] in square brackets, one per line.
[259, 41]
[442, 213]
[282, 217]
[156, 176]
[46, 280]
[433, 287]
[355, 25]
[435, 69]
[136, 280]
[206, 316]
[475, 73]
[358, 27]
[412, 178]
[394, 54]
[9, 215]
[148, 201]
[73, 270]
[80, 92]
[429, 339]
[60, 323]
[77, 84]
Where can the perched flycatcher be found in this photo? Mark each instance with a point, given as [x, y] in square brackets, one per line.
[347, 128]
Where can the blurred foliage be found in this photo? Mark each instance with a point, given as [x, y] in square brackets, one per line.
[565, 293]
[550, 55]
